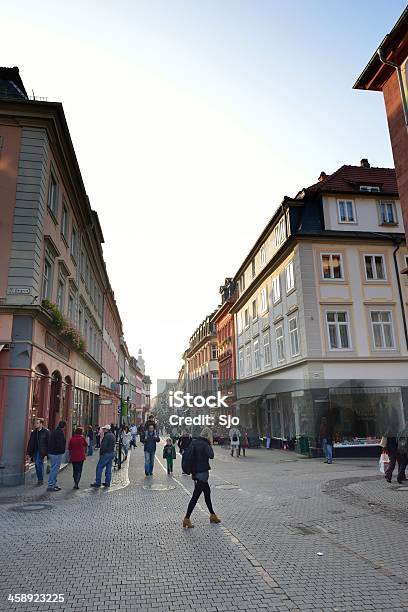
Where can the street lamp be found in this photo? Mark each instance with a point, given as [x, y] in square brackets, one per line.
[118, 433]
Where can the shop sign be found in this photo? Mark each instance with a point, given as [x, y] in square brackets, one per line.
[105, 402]
[18, 290]
[54, 344]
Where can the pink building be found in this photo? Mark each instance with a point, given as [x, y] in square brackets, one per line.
[51, 267]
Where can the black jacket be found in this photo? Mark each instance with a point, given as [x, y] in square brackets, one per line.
[203, 451]
[56, 444]
[183, 442]
[108, 443]
[38, 441]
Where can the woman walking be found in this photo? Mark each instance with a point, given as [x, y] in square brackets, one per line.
[77, 446]
[126, 438]
[89, 440]
[243, 443]
[202, 451]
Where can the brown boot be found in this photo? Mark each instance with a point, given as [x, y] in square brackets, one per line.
[214, 518]
[187, 523]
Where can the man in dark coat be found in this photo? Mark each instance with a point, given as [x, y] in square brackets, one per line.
[151, 438]
[37, 448]
[106, 455]
[56, 451]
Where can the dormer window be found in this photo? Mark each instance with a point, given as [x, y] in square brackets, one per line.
[369, 188]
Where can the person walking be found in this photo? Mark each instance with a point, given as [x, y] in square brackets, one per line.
[390, 446]
[126, 439]
[37, 448]
[56, 450]
[402, 454]
[150, 440]
[133, 431]
[89, 440]
[106, 454]
[234, 436]
[77, 446]
[98, 434]
[200, 452]
[183, 443]
[329, 447]
[243, 443]
[169, 453]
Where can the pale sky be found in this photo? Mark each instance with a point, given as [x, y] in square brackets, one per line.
[191, 120]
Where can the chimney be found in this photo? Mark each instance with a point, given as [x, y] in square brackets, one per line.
[365, 163]
[323, 176]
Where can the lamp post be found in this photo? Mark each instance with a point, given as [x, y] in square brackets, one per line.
[119, 435]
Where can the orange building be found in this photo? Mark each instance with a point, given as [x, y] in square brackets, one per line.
[224, 321]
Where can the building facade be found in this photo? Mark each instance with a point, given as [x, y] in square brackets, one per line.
[225, 326]
[59, 324]
[202, 358]
[321, 314]
[387, 71]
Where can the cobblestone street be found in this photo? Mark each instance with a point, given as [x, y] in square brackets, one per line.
[296, 534]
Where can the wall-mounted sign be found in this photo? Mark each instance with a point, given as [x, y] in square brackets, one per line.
[54, 344]
[18, 290]
[105, 402]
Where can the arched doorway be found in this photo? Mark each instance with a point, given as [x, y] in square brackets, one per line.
[55, 400]
[39, 394]
[67, 401]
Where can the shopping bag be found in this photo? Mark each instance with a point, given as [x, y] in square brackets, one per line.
[383, 463]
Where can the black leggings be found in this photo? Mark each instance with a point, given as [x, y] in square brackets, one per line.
[199, 488]
[77, 470]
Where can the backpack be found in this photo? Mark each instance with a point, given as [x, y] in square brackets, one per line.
[187, 461]
[235, 437]
[403, 445]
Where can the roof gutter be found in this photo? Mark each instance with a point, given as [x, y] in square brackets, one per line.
[397, 67]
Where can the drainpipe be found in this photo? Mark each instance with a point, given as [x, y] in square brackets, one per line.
[400, 82]
[404, 318]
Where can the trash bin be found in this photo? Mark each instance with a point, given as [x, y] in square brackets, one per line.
[304, 445]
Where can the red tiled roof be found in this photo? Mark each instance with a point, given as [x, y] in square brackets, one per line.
[349, 178]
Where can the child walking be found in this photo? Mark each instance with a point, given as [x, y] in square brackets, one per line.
[169, 453]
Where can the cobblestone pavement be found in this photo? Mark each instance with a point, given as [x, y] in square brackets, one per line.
[296, 534]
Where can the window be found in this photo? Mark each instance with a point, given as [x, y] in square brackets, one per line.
[332, 266]
[257, 356]
[387, 214]
[290, 277]
[254, 310]
[374, 267]
[338, 330]
[346, 211]
[253, 268]
[242, 283]
[87, 275]
[246, 317]
[53, 195]
[263, 256]
[294, 336]
[264, 300]
[280, 232]
[280, 348]
[248, 358]
[74, 243]
[266, 348]
[61, 294]
[214, 352]
[276, 289]
[241, 362]
[71, 308]
[383, 333]
[80, 320]
[64, 222]
[82, 263]
[369, 188]
[239, 323]
[47, 279]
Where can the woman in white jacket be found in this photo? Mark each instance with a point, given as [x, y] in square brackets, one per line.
[126, 438]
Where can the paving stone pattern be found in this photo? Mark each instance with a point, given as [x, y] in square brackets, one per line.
[124, 548]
